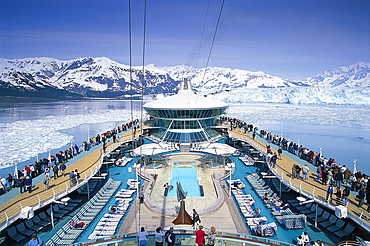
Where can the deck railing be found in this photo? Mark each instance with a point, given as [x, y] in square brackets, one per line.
[42, 198]
[187, 237]
[307, 189]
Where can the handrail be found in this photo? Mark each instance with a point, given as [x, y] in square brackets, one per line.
[182, 235]
[42, 198]
[292, 183]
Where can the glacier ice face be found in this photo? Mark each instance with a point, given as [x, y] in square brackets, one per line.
[299, 95]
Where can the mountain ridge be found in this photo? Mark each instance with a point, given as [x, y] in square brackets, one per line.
[103, 77]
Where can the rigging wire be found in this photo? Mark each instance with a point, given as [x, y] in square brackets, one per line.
[143, 83]
[210, 51]
[201, 39]
[131, 87]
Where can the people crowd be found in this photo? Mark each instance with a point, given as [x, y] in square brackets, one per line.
[327, 170]
[57, 163]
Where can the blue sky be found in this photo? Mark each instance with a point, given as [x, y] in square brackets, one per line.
[291, 39]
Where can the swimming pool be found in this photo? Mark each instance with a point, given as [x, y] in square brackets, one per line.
[188, 177]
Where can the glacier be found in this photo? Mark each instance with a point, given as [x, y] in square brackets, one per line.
[299, 95]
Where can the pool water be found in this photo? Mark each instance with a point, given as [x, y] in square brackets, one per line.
[188, 179]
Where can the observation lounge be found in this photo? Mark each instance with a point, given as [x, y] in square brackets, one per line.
[185, 117]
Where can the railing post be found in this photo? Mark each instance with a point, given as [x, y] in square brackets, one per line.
[38, 196]
[7, 218]
[313, 193]
[67, 187]
[53, 193]
[20, 204]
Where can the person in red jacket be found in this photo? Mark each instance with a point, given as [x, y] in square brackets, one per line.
[28, 170]
[199, 236]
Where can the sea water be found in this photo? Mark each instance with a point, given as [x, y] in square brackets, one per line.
[30, 130]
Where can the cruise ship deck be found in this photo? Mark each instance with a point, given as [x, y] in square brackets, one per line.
[226, 216]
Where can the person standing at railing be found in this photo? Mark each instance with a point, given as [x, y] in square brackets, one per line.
[212, 237]
[199, 236]
[141, 235]
[159, 234]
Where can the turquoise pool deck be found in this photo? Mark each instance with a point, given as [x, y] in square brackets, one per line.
[282, 234]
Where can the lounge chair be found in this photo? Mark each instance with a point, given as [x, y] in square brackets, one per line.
[32, 226]
[37, 220]
[332, 220]
[46, 216]
[58, 213]
[325, 216]
[345, 232]
[336, 227]
[306, 209]
[313, 215]
[14, 235]
[23, 230]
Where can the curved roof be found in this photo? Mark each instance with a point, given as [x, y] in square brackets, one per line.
[185, 99]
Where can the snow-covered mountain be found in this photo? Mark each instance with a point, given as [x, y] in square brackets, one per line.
[93, 77]
[102, 77]
[220, 79]
[356, 75]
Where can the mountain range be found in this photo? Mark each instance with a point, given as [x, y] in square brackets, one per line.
[104, 78]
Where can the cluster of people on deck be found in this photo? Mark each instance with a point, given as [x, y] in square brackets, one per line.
[201, 237]
[305, 240]
[56, 164]
[328, 172]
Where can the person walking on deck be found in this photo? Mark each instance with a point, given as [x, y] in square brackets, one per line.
[305, 170]
[72, 178]
[280, 152]
[55, 170]
[196, 219]
[347, 175]
[338, 178]
[294, 171]
[62, 168]
[346, 192]
[329, 193]
[273, 160]
[298, 171]
[28, 184]
[47, 180]
[361, 196]
[318, 172]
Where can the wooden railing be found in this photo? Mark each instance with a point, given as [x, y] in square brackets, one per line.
[40, 198]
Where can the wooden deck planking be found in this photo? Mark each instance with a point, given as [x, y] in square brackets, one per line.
[85, 165]
[284, 166]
